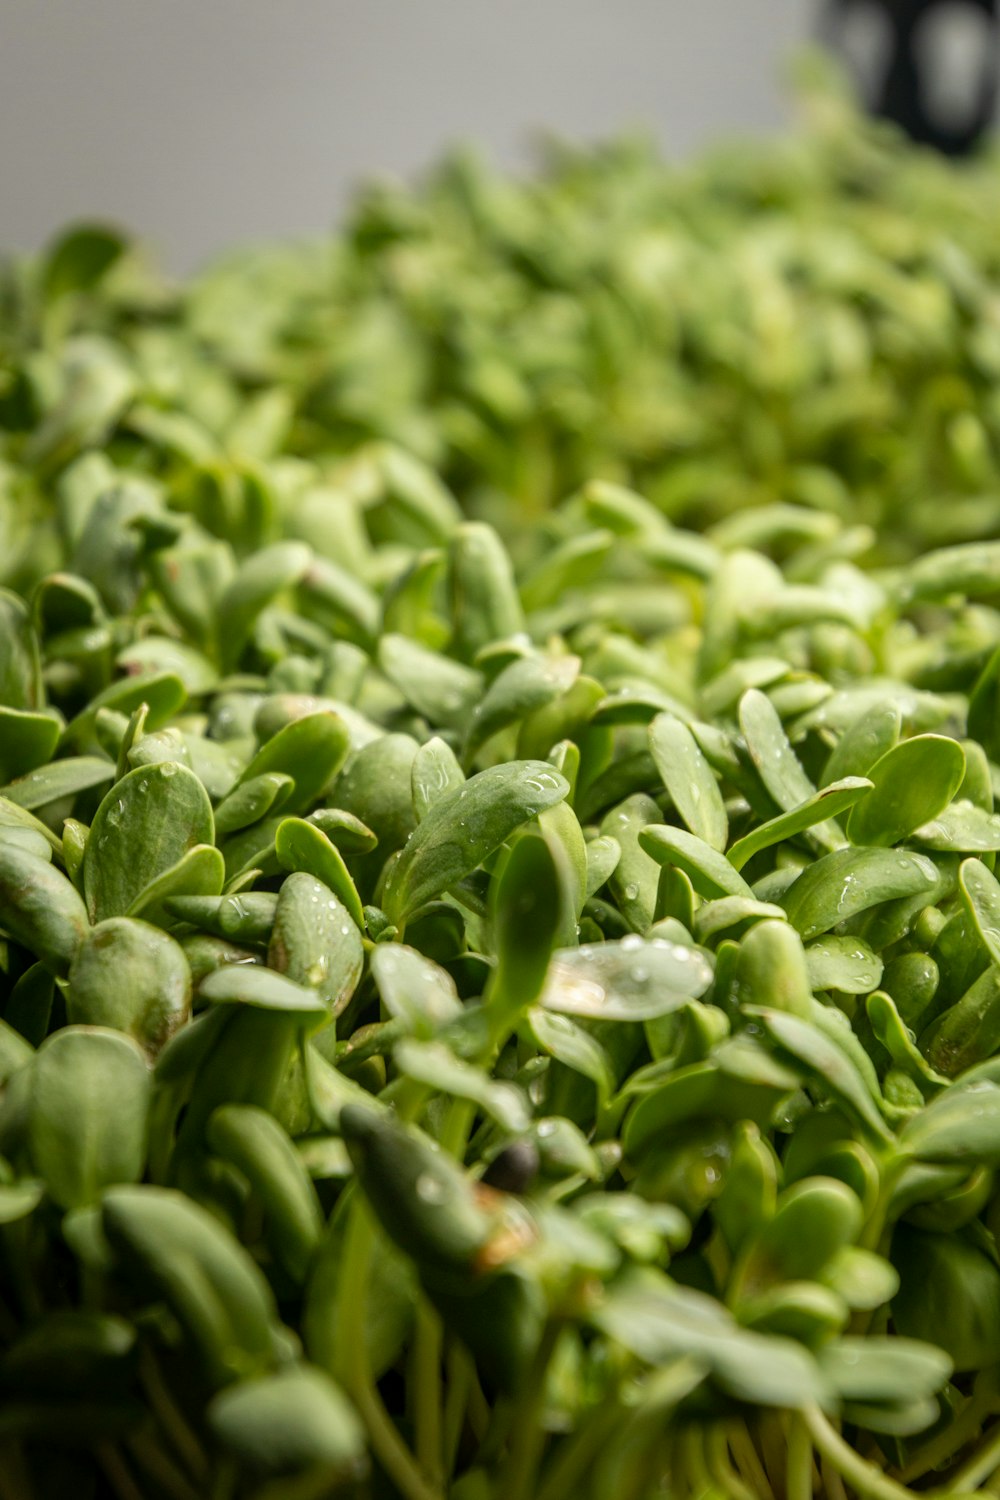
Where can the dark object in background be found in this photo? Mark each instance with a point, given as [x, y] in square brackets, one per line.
[929, 65]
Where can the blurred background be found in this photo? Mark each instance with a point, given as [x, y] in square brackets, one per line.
[203, 123]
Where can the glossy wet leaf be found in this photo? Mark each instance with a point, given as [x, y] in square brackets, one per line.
[147, 822]
[635, 878]
[630, 980]
[688, 778]
[849, 881]
[463, 828]
[435, 773]
[843, 963]
[304, 847]
[315, 940]
[413, 989]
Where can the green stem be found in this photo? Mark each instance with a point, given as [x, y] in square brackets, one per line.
[833, 1485]
[721, 1467]
[748, 1461]
[528, 1434]
[458, 1385]
[577, 1453]
[156, 1463]
[696, 1471]
[946, 1444]
[116, 1472]
[864, 1477]
[224, 1481]
[799, 1464]
[980, 1466]
[169, 1415]
[387, 1445]
[427, 1391]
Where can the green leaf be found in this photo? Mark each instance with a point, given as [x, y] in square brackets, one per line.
[709, 872]
[252, 800]
[199, 872]
[435, 1066]
[78, 1145]
[442, 690]
[39, 907]
[212, 1286]
[631, 980]
[570, 1045]
[912, 784]
[302, 846]
[63, 778]
[315, 941]
[659, 1322]
[79, 259]
[260, 580]
[689, 780]
[461, 830]
[522, 688]
[884, 1369]
[828, 802]
[849, 881]
[843, 963]
[532, 903]
[961, 1126]
[414, 989]
[435, 773]
[290, 1423]
[980, 891]
[962, 828]
[253, 1142]
[777, 764]
[129, 976]
[147, 822]
[635, 878]
[311, 750]
[27, 740]
[825, 1063]
[264, 989]
[865, 740]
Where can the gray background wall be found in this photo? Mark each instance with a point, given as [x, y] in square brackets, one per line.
[204, 122]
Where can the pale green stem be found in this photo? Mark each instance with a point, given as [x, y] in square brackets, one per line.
[799, 1465]
[864, 1477]
[979, 1467]
[387, 1445]
[527, 1432]
[427, 1391]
